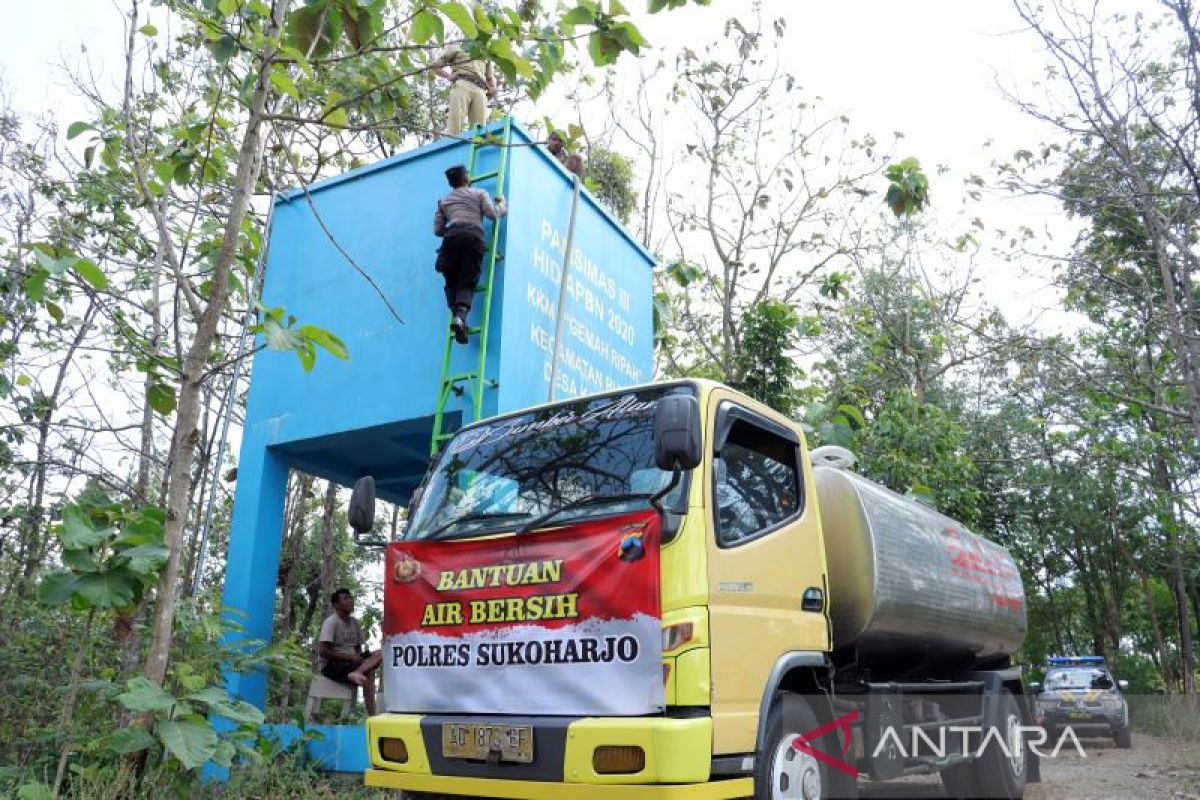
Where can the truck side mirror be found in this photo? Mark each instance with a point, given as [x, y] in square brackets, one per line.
[1123, 684]
[677, 432]
[1035, 687]
[362, 505]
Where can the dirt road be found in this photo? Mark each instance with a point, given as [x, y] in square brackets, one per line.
[1150, 770]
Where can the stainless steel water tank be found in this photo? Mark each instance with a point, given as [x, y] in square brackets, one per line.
[907, 581]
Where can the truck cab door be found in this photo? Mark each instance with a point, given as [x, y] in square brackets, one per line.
[764, 554]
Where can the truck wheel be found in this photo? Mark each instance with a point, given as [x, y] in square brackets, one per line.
[782, 772]
[1000, 774]
[1123, 738]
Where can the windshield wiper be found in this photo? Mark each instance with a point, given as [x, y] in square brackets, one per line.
[591, 499]
[475, 516]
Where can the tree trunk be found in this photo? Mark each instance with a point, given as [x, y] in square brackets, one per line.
[64, 721]
[183, 442]
[330, 506]
[33, 543]
[290, 558]
[1177, 579]
[1160, 649]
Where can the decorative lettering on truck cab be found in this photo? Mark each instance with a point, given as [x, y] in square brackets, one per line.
[563, 622]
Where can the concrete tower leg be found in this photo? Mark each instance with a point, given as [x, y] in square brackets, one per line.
[255, 538]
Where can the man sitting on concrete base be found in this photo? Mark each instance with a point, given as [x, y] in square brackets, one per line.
[342, 651]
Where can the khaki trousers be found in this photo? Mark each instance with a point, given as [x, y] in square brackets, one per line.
[468, 106]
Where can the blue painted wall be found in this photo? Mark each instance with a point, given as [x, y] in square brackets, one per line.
[373, 413]
[607, 315]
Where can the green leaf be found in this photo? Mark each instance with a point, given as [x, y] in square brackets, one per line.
[278, 337]
[79, 561]
[311, 30]
[461, 17]
[628, 36]
[425, 26]
[337, 118]
[35, 284]
[239, 711]
[227, 7]
[615, 9]
[111, 589]
[223, 757]
[578, 15]
[853, 413]
[78, 532]
[482, 20]
[87, 269]
[55, 264]
[223, 49]
[146, 559]
[190, 682]
[126, 741]
[307, 354]
[164, 170]
[76, 128]
[193, 741]
[334, 116]
[145, 695]
[284, 83]
[56, 588]
[210, 695]
[141, 528]
[298, 57]
[603, 49]
[325, 339]
[34, 791]
[148, 30]
[161, 397]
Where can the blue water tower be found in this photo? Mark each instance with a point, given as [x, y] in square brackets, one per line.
[379, 411]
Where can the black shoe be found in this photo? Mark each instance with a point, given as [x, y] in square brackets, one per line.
[459, 326]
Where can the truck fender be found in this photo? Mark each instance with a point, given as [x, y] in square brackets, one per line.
[796, 659]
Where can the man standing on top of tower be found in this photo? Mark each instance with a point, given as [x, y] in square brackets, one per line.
[558, 148]
[472, 87]
[459, 221]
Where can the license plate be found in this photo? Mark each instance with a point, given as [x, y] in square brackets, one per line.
[1080, 715]
[479, 741]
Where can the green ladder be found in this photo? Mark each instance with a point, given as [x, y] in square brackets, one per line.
[473, 382]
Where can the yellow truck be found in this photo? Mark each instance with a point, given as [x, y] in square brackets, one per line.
[659, 592]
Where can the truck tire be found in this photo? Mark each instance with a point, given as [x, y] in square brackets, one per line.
[1123, 738]
[781, 772]
[995, 775]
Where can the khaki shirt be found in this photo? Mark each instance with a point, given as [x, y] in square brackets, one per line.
[460, 63]
[345, 636]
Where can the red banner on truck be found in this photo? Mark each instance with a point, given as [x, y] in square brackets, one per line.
[566, 622]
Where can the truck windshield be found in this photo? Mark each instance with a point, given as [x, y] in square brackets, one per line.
[500, 475]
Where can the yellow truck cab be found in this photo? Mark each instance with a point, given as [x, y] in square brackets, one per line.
[657, 593]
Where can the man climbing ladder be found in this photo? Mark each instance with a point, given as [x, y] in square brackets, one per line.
[459, 221]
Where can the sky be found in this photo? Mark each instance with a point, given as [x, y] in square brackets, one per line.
[932, 70]
[929, 69]
[936, 71]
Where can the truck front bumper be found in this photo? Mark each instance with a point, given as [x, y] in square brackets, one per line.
[540, 790]
[677, 760]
